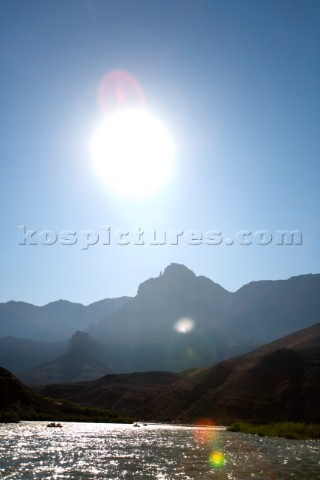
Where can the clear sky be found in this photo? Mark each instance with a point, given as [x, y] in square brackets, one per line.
[236, 83]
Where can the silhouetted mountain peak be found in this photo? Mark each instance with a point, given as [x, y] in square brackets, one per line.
[80, 338]
[175, 270]
[174, 278]
[178, 285]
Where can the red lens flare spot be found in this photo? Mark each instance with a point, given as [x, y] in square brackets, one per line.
[119, 89]
[204, 422]
[204, 432]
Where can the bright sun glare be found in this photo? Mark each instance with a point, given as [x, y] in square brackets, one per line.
[132, 152]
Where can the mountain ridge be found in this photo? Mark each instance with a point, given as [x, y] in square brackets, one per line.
[144, 331]
[279, 381]
[224, 322]
[54, 321]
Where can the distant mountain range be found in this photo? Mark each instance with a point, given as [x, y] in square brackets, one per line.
[176, 321]
[276, 382]
[19, 354]
[54, 321]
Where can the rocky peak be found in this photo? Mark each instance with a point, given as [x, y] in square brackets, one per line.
[79, 338]
[176, 270]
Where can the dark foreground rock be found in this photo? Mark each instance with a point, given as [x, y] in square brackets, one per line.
[18, 402]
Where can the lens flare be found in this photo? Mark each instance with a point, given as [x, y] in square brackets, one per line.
[189, 350]
[120, 89]
[217, 459]
[184, 325]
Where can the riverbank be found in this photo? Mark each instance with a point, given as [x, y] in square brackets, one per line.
[290, 430]
[62, 411]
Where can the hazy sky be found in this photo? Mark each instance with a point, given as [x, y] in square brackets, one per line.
[237, 85]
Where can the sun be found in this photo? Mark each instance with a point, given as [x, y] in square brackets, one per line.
[132, 152]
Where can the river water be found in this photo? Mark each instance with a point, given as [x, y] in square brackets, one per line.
[88, 451]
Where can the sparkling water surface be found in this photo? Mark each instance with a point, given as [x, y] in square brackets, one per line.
[30, 450]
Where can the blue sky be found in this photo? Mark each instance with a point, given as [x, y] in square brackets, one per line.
[235, 83]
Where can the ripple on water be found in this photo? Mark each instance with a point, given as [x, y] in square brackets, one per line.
[90, 451]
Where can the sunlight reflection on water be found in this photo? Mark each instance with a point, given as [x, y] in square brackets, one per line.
[90, 451]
